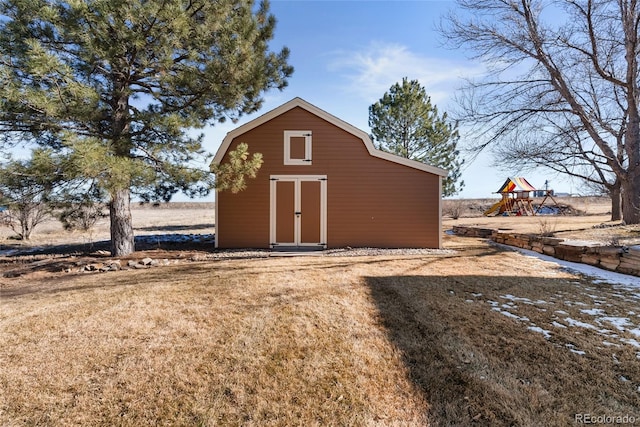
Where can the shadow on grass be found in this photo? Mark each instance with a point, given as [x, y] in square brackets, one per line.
[476, 366]
[168, 241]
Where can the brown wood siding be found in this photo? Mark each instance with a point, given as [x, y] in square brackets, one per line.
[370, 201]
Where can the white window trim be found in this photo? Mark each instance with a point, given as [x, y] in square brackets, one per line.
[288, 134]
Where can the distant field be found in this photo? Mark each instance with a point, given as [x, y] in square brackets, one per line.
[173, 218]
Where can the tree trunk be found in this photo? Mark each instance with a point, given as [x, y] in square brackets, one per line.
[616, 200]
[25, 224]
[122, 239]
[631, 201]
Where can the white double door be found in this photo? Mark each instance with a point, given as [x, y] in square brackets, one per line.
[298, 211]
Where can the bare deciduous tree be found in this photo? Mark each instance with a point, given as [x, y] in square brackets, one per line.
[565, 148]
[23, 217]
[26, 188]
[562, 87]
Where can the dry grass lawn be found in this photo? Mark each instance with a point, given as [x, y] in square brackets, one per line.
[478, 337]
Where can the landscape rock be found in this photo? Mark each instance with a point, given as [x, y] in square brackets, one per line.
[114, 265]
[624, 260]
[610, 263]
[590, 259]
[570, 252]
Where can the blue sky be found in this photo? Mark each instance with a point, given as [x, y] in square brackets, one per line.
[347, 54]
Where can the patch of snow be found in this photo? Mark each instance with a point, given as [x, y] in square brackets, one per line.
[547, 334]
[511, 315]
[492, 303]
[558, 325]
[514, 298]
[174, 238]
[618, 322]
[468, 300]
[564, 313]
[573, 322]
[12, 252]
[572, 349]
[609, 344]
[631, 341]
[476, 295]
[593, 311]
[635, 332]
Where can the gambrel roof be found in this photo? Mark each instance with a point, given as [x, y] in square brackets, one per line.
[301, 103]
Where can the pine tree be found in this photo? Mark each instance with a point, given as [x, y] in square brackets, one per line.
[405, 123]
[119, 84]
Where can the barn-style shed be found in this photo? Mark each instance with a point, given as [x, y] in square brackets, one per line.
[324, 185]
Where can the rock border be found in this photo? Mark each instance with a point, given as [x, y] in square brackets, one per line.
[621, 259]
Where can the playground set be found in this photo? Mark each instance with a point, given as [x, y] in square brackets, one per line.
[516, 199]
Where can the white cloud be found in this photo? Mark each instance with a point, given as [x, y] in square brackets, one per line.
[371, 71]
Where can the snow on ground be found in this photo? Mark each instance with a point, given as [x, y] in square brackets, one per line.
[598, 321]
[601, 276]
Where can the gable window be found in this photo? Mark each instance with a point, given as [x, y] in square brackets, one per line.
[297, 147]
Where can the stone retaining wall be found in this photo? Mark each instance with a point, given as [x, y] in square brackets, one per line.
[621, 259]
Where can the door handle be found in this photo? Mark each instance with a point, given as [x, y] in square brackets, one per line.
[298, 213]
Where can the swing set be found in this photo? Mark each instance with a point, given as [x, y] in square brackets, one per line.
[516, 199]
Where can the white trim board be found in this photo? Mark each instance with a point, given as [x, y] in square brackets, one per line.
[297, 179]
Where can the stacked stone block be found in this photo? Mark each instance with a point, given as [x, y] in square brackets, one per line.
[621, 259]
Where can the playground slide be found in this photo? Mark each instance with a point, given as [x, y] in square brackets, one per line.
[494, 208]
